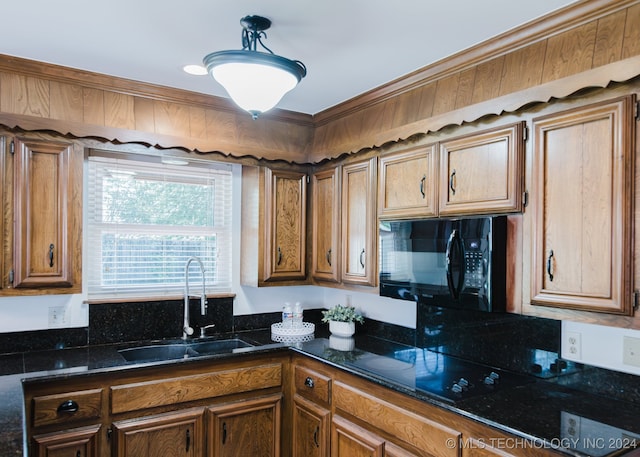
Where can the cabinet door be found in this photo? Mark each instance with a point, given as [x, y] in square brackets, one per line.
[407, 184]
[246, 428]
[310, 429]
[45, 211]
[582, 181]
[285, 225]
[359, 223]
[173, 434]
[482, 173]
[350, 440]
[80, 442]
[325, 205]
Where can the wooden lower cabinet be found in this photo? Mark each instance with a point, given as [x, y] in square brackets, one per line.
[245, 429]
[178, 433]
[310, 429]
[350, 440]
[80, 442]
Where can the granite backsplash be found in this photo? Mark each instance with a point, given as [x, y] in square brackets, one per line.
[522, 344]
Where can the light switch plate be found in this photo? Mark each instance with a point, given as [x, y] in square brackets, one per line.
[631, 351]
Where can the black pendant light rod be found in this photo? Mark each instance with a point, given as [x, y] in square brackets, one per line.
[253, 32]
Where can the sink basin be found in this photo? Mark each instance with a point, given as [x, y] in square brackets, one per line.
[158, 352]
[219, 346]
[173, 351]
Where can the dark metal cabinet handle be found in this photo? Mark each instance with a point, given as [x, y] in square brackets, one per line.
[224, 432]
[422, 182]
[68, 407]
[329, 256]
[452, 183]
[188, 441]
[315, 436]
[549, 272]
[309, 382]
[362, 258]
[51, 247]
[279, 256]
[78, 454]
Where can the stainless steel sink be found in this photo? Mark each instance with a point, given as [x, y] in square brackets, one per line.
[219, 346]
[173, 351]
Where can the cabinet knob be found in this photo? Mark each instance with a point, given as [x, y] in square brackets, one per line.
[68, 407]
[309, 382]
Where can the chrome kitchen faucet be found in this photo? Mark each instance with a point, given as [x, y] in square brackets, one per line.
[187, 330]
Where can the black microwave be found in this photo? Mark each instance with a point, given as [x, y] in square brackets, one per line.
[459, 263]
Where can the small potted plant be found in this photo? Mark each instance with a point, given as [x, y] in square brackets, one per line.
[342, 320]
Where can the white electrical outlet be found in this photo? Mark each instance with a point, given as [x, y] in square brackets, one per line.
[57, 316]
[631, 351]
[573, 345]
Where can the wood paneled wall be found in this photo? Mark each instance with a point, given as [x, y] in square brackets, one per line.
[590, 43]
[41, 96]
[587, 36]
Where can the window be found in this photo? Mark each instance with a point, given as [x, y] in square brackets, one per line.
[146, 219]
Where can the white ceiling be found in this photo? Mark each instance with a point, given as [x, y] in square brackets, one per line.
[348, 46]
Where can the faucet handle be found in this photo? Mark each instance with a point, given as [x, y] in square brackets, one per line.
[188, 330]
[203, 330]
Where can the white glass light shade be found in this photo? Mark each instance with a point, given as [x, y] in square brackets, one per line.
[255, 88]
[256, 81]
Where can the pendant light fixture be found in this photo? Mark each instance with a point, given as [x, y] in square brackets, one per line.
[256, 81]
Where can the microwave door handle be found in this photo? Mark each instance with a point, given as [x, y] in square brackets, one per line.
[448, 262]
[455, 242]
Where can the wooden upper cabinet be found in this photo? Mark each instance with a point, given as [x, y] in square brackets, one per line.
[286, 194]
[408, 184]
[274, 215]
[582, 202]
[482, 173]
[325, 220]
[47, 207]
[359, 223]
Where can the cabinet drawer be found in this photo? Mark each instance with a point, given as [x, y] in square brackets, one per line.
[312, 385]
[162, 392]
[66, 407]
[411, 428]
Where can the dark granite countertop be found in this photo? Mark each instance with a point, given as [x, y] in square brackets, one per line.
[544, 412]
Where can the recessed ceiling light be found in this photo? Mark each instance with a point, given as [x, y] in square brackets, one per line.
[197, 70]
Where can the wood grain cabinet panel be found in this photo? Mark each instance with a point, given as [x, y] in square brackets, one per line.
[311, 429]
[67, 407]
[582, 178]
[47, 208]
[325, 224]
[482, 173]
[359, 223]
[274, 226]
[312, 385]
[408, 184]
[167, 391]
[351, 440]
[406, 426]
[246, 428]
[179, 433]
[80, 442]
[286, 194]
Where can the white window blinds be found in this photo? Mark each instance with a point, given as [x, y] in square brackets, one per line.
[145, 219]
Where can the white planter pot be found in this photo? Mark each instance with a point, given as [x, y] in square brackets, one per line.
[341, 343]
[344, 329]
